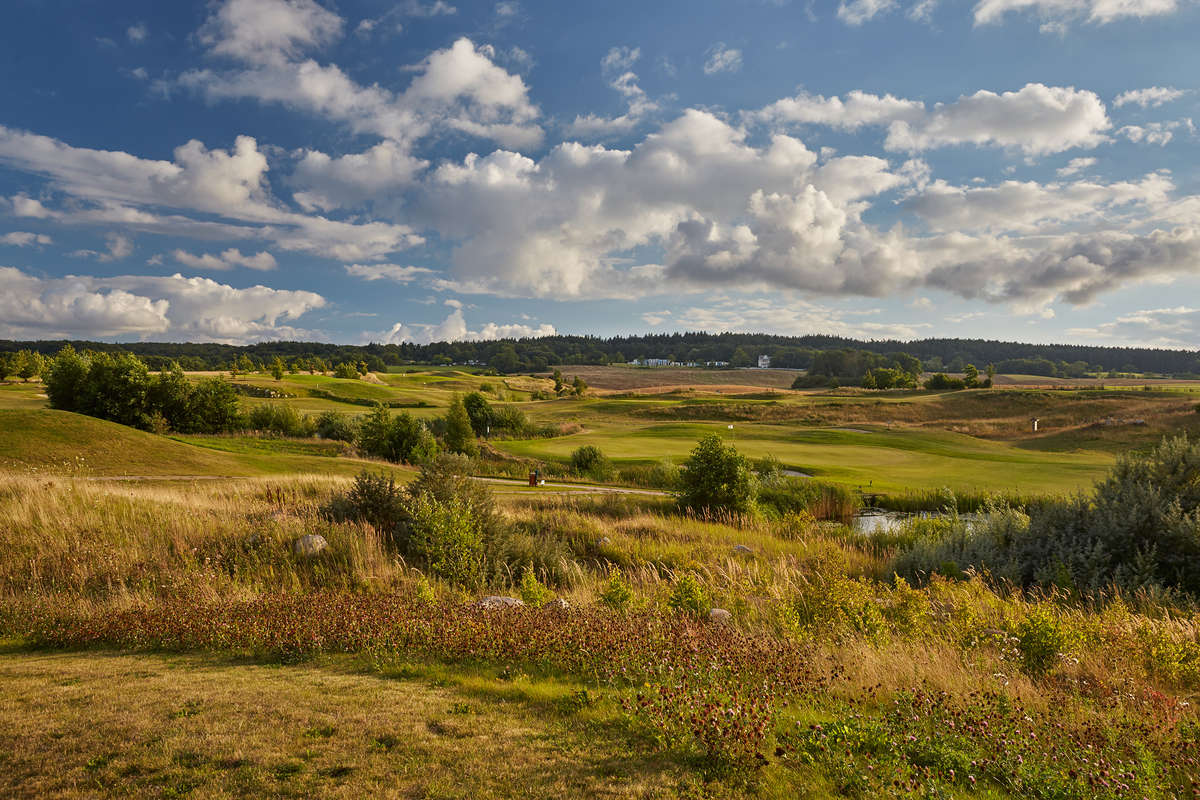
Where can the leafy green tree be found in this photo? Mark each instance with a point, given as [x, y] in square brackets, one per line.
[908, 364]
[213, 407]
[459, 436]
[116, 389]
[65, 378]
[346, 370]
[940, 381]
[29, 364]
[579, 386]
[717, 478]
[479, 411]
[8, 365]
[741, 358]
[970, 376]
[170, 395]
[559, 386]
[277, 368]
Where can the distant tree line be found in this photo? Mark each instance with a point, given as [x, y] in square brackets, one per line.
[738, 349]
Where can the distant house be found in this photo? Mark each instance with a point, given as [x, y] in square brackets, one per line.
[764, 362]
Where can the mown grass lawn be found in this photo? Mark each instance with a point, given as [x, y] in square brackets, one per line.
[887, 460]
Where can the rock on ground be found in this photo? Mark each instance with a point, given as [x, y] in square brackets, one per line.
[310, 545]
[719, 615]
[498, 601]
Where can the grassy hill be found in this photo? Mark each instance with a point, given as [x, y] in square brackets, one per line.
[60, 442]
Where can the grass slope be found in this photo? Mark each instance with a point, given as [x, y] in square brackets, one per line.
[62, 442]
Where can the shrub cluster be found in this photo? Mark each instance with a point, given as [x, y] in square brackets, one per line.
[589, 461]
[119, 387]
[401, 438]
[444, 520]
[1139, 530]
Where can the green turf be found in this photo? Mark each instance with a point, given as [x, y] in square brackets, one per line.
[886, 460]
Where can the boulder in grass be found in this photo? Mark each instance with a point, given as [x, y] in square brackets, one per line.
[559, 604]
[499, 601]
[310, 545]
[720, 615]
[743, 550]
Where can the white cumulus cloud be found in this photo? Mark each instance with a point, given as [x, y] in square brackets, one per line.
[1151, 97]
[721, 58]
[227, 259]
[1035, 119]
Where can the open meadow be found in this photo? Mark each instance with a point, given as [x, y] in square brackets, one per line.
[643, 651]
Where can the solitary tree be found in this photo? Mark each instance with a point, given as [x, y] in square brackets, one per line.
[277, 368]
[970, 375]
[579, 386]
[717, 477]
[459, 436]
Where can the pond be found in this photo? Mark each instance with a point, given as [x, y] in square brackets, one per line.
[876, 520]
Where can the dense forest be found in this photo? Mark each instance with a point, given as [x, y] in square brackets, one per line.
[739, 349]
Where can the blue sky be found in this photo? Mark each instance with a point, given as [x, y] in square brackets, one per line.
[241, 170]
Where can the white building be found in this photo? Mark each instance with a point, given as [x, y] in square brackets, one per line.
[764, 362]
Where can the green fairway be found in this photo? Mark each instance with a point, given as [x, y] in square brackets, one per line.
[979, 440]
[887, 460]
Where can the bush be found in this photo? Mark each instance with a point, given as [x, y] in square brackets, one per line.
[1139, 530]
[447, 536]
[1039, 641]
[943, 382]
[532, 591]
[688, 597]
[717, 478]
[511, 421]
[346, 370]
[616, 592]
[444, 520]
[281, 420]
[375, 500]
[336, 426]
[769, 470]
[401, 438]
[589, 461]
